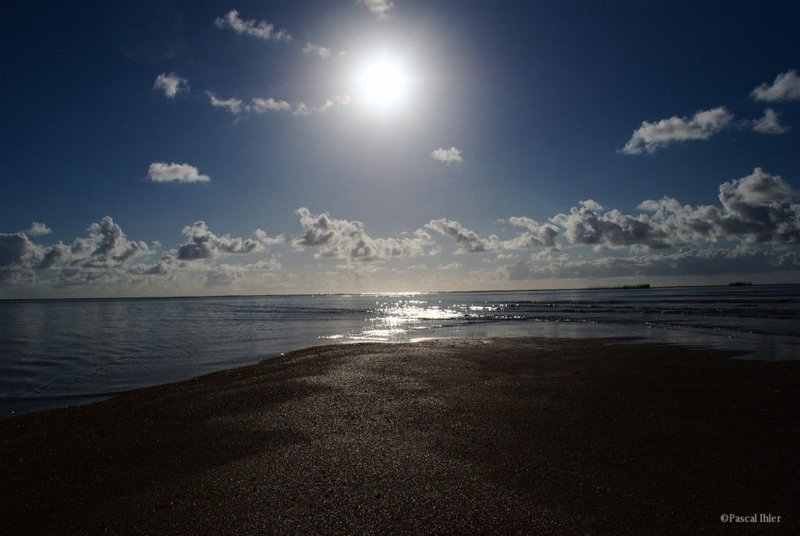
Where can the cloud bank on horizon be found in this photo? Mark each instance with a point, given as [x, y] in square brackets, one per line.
[470, 167]
[760, 213]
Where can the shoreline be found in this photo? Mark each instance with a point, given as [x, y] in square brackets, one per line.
[552, 436]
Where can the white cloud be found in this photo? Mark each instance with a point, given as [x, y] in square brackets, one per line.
[467, 240]
[171, 84]
[346, 239]
[270, 104]
[653, 136]
[770, 123]
[786, 87]
[260, 30]
[336, 100]
[448, 156]
[184, 173]
[318, 50]
[38, 229]
[261, 106]
[268, 265]
[758, 208]
[380, 8]
[232, 105]
[538, 235]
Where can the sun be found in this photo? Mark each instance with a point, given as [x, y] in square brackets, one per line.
[383, 83]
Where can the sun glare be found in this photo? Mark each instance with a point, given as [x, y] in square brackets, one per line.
[383, 83]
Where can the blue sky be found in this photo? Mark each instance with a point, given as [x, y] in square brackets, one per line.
[185, 148]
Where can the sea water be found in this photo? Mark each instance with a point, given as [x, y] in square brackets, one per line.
[64, 352]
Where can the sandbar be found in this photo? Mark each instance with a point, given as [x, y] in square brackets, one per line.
[450, 436]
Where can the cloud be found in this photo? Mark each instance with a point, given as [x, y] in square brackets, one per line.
[468, 241]
[588, 224]
[770, 123]
[260, 30]
[270, 104]
[336, 100]
[203, 244]
[267, 265]
[38, 229]
[318, 50]
[380, 8]
[232, 105]
[346, 239]
[171, 84]
[448, 156]
[653, 136]
[224, 275]
[260, 106]
[758, 208]
[183, 173]
[106, 246]
[17, 251]
[538, 235]
[786, 87]
[686, 262]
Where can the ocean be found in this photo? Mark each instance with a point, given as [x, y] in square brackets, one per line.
[56, 353]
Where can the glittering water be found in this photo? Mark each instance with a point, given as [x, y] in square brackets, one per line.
[61, 352]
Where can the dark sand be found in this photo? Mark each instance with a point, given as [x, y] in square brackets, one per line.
[535, 436]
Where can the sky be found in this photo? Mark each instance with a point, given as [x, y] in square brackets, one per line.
[217, 148]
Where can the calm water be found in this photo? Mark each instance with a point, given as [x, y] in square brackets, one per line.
[63, 352]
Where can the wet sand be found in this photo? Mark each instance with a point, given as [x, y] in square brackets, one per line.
[533, 436]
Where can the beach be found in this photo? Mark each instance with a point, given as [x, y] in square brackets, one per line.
[448, 436]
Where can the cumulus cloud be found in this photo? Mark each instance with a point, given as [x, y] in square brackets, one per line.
[537, 235]
[786, 87]
[260, 30]
[106, 246]
[447, 155]
[106, 260]
[380, 8]
[346, 239]
[232, 105]
[183, 173]
[468, 241]
[653, 136]
[38, 229]
[318, 50]
[171, 84]
[588, 224]
[770, 123]
[203, 244]
[758, 208]
[17, 251]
